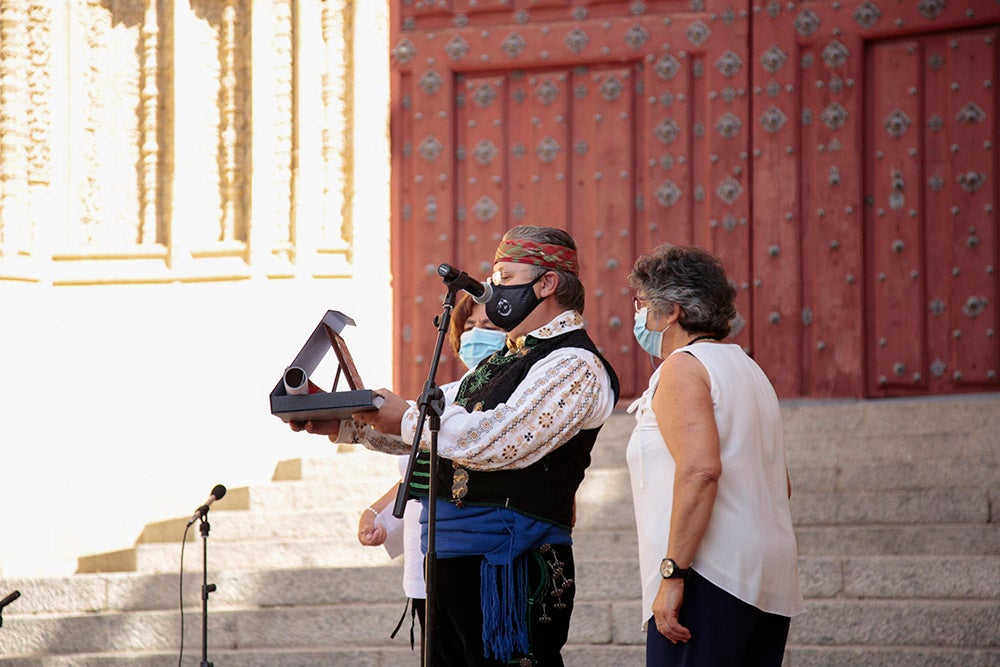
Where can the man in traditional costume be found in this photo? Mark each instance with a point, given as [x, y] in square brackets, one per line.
[515, 439]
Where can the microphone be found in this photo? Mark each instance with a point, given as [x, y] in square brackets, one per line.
[10, 598]
[452, 277]
[216, 494]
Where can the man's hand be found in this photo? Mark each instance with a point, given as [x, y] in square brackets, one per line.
[388, 417]
[327, 427]
[666, 607]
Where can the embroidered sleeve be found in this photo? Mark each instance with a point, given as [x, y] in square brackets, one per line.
[562, 394]
[356, 432]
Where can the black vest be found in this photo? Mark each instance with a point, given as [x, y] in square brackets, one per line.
[546, 488]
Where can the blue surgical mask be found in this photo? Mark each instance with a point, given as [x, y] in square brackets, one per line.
[650, 341]
[477, 344]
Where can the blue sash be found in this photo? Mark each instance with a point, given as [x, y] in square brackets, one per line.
[503, 538]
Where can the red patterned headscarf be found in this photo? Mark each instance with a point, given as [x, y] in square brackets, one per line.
[524, 251]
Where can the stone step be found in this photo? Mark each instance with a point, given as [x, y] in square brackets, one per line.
[603, 576]
[889, 656]
[346, 462]
[862, 623]
[896, 476]
[574, 655]
[966, 625]
[233, 526]
[604, 504]
[262, 629]
[836, 432]
[895, 539]
[867, 507]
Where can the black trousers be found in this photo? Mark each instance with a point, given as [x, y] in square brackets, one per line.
[725, 632]
[458, 617]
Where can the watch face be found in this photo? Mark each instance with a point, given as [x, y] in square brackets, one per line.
[666, 568]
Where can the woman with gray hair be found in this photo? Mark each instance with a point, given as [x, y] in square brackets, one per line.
[717, 555]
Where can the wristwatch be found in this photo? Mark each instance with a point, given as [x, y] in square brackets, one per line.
[670, 570]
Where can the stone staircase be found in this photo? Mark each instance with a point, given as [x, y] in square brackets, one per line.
[892, 501]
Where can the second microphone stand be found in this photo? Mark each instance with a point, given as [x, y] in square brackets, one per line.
[431, 404]
[206, 587]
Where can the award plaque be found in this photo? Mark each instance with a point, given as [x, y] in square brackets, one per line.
[296, 397]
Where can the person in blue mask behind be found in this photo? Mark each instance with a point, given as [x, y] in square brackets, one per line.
[473, 337]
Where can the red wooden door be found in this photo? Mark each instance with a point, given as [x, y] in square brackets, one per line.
[931, 180]
[845, 167]
[875, 177]
[619, 121]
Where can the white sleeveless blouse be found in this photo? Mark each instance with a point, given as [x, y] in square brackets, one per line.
[749, 548]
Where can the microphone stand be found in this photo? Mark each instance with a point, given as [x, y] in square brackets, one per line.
[431, 403]
[206, 587]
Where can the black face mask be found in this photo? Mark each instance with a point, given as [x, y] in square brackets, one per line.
[510, 304]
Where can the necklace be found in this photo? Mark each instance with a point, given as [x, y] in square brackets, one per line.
[702, 337]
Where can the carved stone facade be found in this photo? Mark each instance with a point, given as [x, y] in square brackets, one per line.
[137, 143]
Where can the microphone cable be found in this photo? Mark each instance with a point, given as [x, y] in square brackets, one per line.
[181, 593]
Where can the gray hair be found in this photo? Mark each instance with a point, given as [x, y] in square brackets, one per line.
[569, 293]
[691, 278]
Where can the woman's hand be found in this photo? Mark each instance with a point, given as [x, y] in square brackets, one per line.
[667, 607]
[370, 534]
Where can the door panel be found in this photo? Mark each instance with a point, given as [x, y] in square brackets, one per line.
[841, 159]
[608, 119]
[932, 227]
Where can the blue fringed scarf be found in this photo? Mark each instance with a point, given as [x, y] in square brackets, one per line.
[502, 537]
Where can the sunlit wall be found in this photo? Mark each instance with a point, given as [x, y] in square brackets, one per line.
[181, 204]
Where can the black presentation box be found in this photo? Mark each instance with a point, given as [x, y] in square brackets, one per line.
[297, 398]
